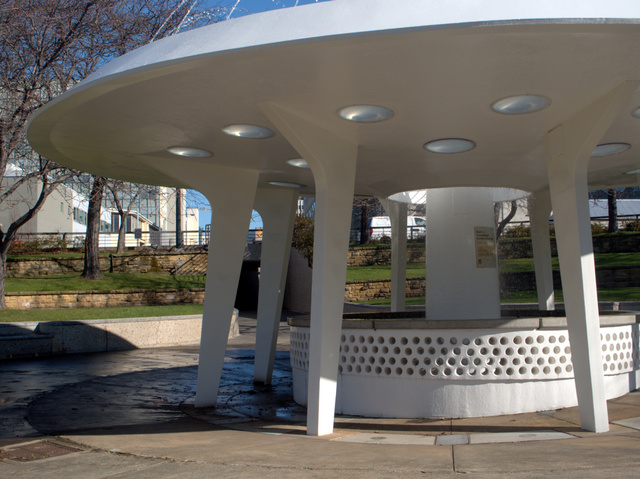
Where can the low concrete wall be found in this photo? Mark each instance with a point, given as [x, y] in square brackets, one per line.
[18, 340]
[103, 299]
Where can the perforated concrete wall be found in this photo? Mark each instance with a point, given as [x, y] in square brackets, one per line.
[443, 358]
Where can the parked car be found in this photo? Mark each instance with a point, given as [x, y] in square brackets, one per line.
[380, 226]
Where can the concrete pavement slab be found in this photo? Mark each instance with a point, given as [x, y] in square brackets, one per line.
[139, 403]
[523, 436]
[85, 465]
[452, 440]
[633, 422]
[610, 455]
[398, 439]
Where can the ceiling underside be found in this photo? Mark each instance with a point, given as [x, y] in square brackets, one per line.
[440, 83]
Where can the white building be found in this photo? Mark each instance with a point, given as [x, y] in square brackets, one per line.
[65, 212]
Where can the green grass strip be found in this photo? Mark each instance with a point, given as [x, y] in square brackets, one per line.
[13, 315]
[604, 294]
[111, 281]
[607, 260]
[369, 273]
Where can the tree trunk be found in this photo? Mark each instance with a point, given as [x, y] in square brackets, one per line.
[505, 221]
[364, 224]
[3, 271]
[121, 234]
[613, 211]
[92, 238]
[179, 241]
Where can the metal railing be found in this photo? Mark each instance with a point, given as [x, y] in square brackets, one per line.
[383, 233]
[132, 240]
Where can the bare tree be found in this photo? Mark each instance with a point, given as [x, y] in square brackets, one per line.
[47, 46]
[612, 205]
[502, 223]
[135, 24]
[123, 193]
[91, 246]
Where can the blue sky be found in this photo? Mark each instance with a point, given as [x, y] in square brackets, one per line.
[243, 7]
[255, 6]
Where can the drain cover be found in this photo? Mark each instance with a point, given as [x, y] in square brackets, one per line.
[33, 451]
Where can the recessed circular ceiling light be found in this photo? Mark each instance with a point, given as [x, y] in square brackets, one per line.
[634, 172]
[189, 152]
[450, 145]
[285, 184]
[248, 131]
[608, 149]
[636, 113]
[298, 163]
[521, 104]
[365, 113]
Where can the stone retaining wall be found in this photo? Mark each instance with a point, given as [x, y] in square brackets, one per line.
[376, 289]
[381, 255]
[118, 263]
[103, 299]
[619, 277]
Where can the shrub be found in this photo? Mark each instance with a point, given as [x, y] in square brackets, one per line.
[598, 229]
[48, 244]
[517, 231]
[303, 237]
[632, 226]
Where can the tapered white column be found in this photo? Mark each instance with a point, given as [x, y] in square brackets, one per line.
[539, 211]
[231, 193]
[569, 147]
[277, 207]
[231, 202]
[397, 212]
[333, 162]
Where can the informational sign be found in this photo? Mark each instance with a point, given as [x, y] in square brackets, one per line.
[485, 247]
[137, 233]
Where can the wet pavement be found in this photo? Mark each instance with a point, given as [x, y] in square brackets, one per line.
[130, 414]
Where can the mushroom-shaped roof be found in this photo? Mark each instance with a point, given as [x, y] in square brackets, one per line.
[438, 65]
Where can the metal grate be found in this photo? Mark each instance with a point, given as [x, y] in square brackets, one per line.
[34, 451]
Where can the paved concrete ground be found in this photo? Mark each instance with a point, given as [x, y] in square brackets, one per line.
[129, 415]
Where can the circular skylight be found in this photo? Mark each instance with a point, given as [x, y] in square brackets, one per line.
[450, 145]
[189, 152]
[521, 104]
[365, 113]
[286, 184]
[298, 163]
[608, 149]
[248, 131]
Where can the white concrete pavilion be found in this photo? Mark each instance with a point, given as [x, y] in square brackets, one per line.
[176, 112]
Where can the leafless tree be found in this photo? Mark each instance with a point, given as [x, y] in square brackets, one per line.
[123, 193]
[502, 223]
[135, 24]
[91, 245]
[47, 46]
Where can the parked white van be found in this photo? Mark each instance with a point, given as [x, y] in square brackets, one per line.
[380, 226]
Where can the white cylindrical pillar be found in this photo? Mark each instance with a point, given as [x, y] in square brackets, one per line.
[461, 261]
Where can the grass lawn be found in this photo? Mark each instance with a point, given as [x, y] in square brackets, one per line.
[602, 260]
[604, 294]
[111, 281]
[368, 273]
[12, 315]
